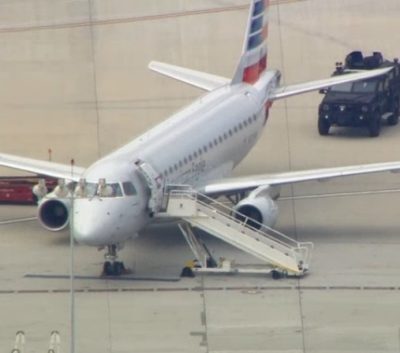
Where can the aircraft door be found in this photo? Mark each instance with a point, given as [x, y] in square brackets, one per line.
[155, 183]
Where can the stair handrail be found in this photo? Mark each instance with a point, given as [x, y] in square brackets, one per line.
[282, 239]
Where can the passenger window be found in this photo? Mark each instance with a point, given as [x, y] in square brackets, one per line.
[129, 189]
[220, 139]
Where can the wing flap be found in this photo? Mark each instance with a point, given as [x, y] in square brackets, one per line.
[291, 90]
[52, 169]
[195, 78]
[232, 185]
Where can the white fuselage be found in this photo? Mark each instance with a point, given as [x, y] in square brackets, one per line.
[202, 142]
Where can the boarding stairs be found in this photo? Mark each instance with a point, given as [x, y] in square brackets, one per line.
[281, 253]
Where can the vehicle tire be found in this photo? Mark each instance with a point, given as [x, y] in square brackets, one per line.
[394, 118]
[35, 199]
[323, 126]
[187, 272]
[374, 125]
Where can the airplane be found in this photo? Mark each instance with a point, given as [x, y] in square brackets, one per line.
[116, 197]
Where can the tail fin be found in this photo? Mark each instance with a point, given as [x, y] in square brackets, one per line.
[254, 54]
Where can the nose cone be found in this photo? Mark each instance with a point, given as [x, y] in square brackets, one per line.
[99, 222]
[89, 225]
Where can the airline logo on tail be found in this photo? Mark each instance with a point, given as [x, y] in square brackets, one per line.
[254, 58]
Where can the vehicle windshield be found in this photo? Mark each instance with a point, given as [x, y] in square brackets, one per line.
[367, 86]
[364, 86]
[343, 87]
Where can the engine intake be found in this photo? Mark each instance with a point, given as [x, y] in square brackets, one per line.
[259, 210]
[54, 214]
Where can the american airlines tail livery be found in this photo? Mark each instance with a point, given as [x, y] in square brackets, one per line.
[176, 170]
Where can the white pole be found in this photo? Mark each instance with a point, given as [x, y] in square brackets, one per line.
[72, 292]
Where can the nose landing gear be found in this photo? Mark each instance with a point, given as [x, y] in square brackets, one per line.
[112, 267]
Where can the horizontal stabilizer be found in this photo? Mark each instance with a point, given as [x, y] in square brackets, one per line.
[195, 78]
[51, 169]
[287, 91]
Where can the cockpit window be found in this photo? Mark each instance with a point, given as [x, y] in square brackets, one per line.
[101, 189]
[110, 190]
[129, 189]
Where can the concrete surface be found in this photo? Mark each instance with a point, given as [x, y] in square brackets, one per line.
[73, 78]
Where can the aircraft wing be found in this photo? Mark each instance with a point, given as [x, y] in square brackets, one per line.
[52, 169]
[232, 185]
[291, 90]
[195, 78]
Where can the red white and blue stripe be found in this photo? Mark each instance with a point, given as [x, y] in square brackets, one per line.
[254, 59]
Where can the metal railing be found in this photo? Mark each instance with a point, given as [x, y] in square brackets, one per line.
[258, 231]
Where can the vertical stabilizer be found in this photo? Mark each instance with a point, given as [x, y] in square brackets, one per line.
[254, 54]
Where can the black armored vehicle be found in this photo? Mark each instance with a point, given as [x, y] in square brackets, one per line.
[362, 103]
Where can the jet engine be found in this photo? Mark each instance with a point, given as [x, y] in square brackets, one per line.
[54, 208]
[53, 213]
[259, 206]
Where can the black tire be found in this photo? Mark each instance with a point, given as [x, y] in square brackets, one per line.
[35, 199]
[108, 269]
[276, 274]
[374, 124]
[394, 118]
[187, 272]
[117, 268]
[323, 126]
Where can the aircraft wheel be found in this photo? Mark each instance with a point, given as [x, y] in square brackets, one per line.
[276, 274]
[108, 269]
[118, 268]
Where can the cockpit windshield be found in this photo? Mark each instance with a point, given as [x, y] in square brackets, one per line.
[102, 189]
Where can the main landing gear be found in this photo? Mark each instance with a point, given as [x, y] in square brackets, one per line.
[111, 266]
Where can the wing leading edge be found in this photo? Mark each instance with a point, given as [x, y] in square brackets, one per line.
[52, 169]
[232, 185]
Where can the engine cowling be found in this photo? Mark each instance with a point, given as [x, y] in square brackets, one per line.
[53, 213]
[262, 209]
